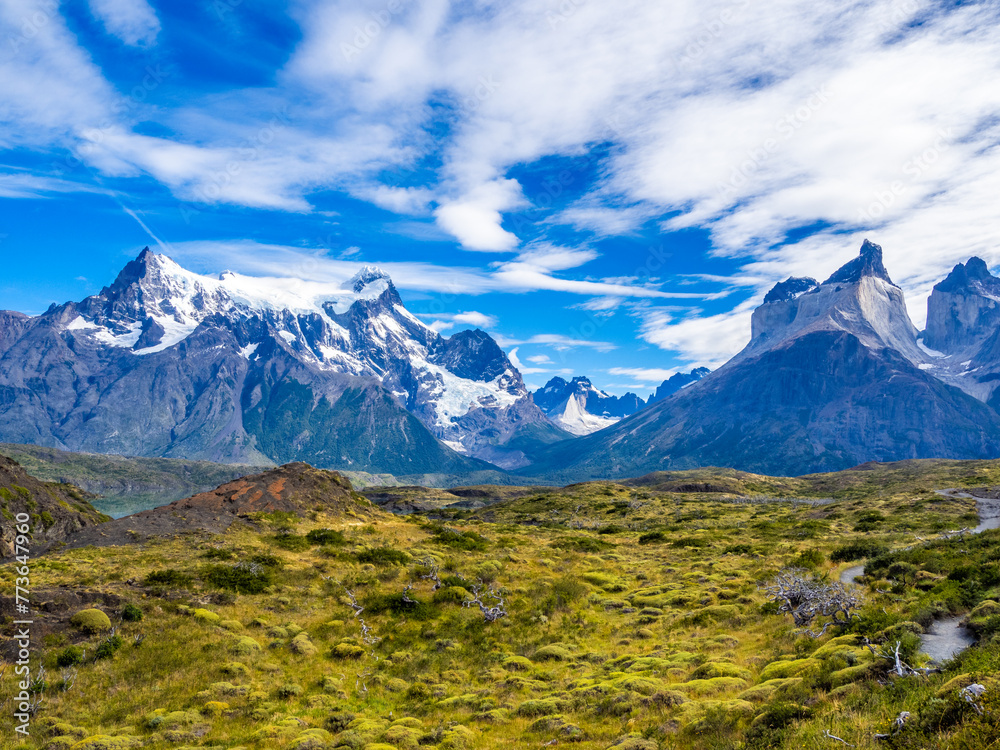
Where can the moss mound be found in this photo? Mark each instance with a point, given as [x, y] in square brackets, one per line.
[91, 621]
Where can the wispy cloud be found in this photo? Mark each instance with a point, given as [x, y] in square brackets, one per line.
[856, 117]
[446, 321]
[133, 21]
[557, 341]
[522, 368]
[645, 375]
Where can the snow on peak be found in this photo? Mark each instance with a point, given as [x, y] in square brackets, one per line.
[179, 300]
[367, 278]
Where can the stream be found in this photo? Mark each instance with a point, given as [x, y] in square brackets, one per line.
[947, 638]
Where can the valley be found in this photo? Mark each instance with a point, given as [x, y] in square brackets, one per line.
[284, 610]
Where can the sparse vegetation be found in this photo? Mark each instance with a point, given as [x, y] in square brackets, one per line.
[527, 622]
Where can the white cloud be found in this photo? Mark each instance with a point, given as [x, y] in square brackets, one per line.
[26, 185]
[475, 219]
[446, 321]
[872, 118]
[514, 360]
[646, 375]
[556, 341]
[541, 359]
[250, 257]
[133, 21]
[703, 341]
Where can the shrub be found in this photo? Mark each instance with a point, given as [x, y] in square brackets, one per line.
[290, 542]
[653, 537]
[326, 537]
[869, 521]
[241, 578]
[108, 647]
[219, 554]
[861, 549]
[90, 621]
[383, 556]
[690, 541]
[469, 541]
[70, 657]
[738, 549]
[267, 561]
[395, 604]
[131, 613]
[811, 558]
[290, 690]
[168, 577]
[582, 544]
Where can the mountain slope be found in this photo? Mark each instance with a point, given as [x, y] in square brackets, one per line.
[56, 511]
[213, 363]
[826, 383]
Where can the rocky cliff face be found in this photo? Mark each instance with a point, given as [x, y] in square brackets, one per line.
[963, 330]
[833, 377]
[165, 362]
[57, 511]
[964, 309]
[860, 299]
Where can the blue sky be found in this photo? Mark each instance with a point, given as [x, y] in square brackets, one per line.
[608, 188]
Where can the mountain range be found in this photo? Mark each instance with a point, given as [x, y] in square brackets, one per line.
[580, 408]
[835, 375]
[168, 363]
[235, 369]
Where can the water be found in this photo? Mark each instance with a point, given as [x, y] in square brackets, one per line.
[947, 638]
[852, 573]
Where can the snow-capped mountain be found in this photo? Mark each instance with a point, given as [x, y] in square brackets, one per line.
[580, 408]
[834, 376]
[226, 364]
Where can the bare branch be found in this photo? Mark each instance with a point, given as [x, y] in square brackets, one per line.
[835, 737]
[806, 598]
[490, 613]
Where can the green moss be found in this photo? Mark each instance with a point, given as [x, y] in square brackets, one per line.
[347, 651]
[245, 646]
[713, 686]
[302, 645]
[105, 742]
[207, 616]
[713, 669]
[553, 652]
[90, 621]
[791, 668]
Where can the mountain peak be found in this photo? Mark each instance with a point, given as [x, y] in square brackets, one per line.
[790, 289]
[368, 276]
[868, 263]
[970, 277]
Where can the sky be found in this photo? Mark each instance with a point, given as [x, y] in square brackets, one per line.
[608, 188]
